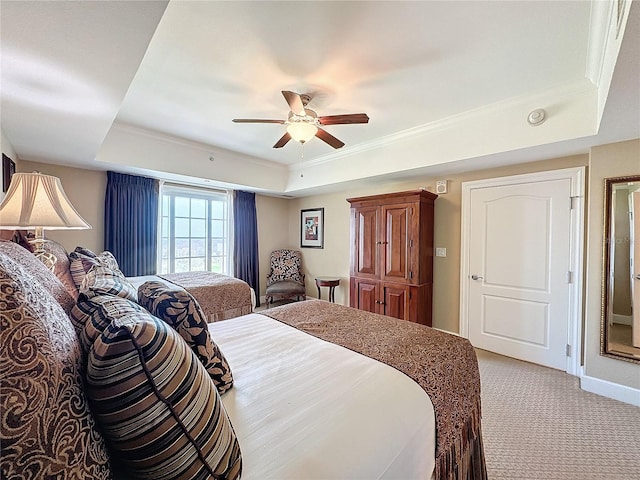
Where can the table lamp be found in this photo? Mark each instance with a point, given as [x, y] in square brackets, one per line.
[37, 201]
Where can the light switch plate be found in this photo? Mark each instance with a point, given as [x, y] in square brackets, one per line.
[441, 252]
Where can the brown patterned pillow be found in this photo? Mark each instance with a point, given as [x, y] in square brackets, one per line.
[62, 267]
[156, 404]
[43, 275]
[178, 308]
[47, 428]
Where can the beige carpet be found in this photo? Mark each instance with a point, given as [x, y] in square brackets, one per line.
[538, 424]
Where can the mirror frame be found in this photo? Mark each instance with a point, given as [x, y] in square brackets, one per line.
[606, 269]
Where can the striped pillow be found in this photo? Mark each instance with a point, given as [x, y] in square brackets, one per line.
[101, 280]
[157, 407]
[75, 264]
[81, 260]
[91, 316]
[179, 309]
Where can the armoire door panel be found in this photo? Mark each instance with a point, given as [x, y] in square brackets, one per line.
[366, 242]
[365, 294]
[395, 242]
[396, 301]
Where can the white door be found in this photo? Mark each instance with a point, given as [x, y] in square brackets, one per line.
[518, 265]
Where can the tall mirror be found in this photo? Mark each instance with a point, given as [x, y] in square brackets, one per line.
[621, 293]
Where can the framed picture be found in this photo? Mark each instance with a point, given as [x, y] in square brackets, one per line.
[312, 228]
[8, 169]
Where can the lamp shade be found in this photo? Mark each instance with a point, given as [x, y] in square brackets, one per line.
[302, 131]
[37, 200]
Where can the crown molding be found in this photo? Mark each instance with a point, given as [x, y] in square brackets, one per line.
[600, 24]
[526, 102]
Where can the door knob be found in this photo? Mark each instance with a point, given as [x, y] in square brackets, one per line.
[476, 277]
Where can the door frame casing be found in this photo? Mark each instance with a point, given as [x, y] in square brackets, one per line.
[576, 203]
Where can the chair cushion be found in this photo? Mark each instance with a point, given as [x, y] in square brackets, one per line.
[285, 265]
[156, 404]
[181, 310]
[47, 430]
[42, 274]
[285, 288]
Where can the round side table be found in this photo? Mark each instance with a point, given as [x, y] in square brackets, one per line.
[331, 282]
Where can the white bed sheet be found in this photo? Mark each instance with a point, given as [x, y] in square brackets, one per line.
[305, 409]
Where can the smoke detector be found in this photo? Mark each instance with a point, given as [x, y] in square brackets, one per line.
[536, 117]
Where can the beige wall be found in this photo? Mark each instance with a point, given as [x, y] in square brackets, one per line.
[85, 189]
[273, 224]
[334, 258]
[613, 160]
[279, 223]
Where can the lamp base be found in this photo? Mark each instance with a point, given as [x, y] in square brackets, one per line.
[48, 258]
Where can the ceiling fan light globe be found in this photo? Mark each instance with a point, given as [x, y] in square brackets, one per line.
[302, 131]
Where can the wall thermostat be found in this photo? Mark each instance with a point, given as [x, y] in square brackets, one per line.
[441, 186]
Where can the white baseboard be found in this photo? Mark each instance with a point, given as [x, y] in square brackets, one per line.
[608, 389]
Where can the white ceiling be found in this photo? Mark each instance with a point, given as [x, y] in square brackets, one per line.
[76, 75]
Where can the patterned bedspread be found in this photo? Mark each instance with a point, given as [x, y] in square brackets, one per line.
[444, 365]
[220, 296]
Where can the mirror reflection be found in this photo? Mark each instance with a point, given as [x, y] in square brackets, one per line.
[621, 302]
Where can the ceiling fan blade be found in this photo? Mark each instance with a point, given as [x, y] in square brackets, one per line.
[283, 141]
[328, 138]
[342, 119]
[255, 120]
[295, 102]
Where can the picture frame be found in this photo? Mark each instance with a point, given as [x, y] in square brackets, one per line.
[8, 169]
[312, 228]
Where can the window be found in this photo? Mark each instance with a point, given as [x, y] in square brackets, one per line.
[195, 228]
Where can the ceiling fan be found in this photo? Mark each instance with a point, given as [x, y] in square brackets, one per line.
[303, 123]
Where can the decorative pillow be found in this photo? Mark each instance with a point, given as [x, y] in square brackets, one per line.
[82, 260]
[62, 267]
[95, 314]
[80, 313]
[179, 309]
[76, 269]
[105, 259]
[101, 280]
[85, 251]
[42, 274]
[47, 428]
[157, 407]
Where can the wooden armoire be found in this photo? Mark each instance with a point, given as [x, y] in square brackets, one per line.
[391, 269]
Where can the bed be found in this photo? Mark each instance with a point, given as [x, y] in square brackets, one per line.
[307, 405]
[221, 297]
[321, 391]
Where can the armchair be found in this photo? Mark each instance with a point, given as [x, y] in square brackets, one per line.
[285, 278]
